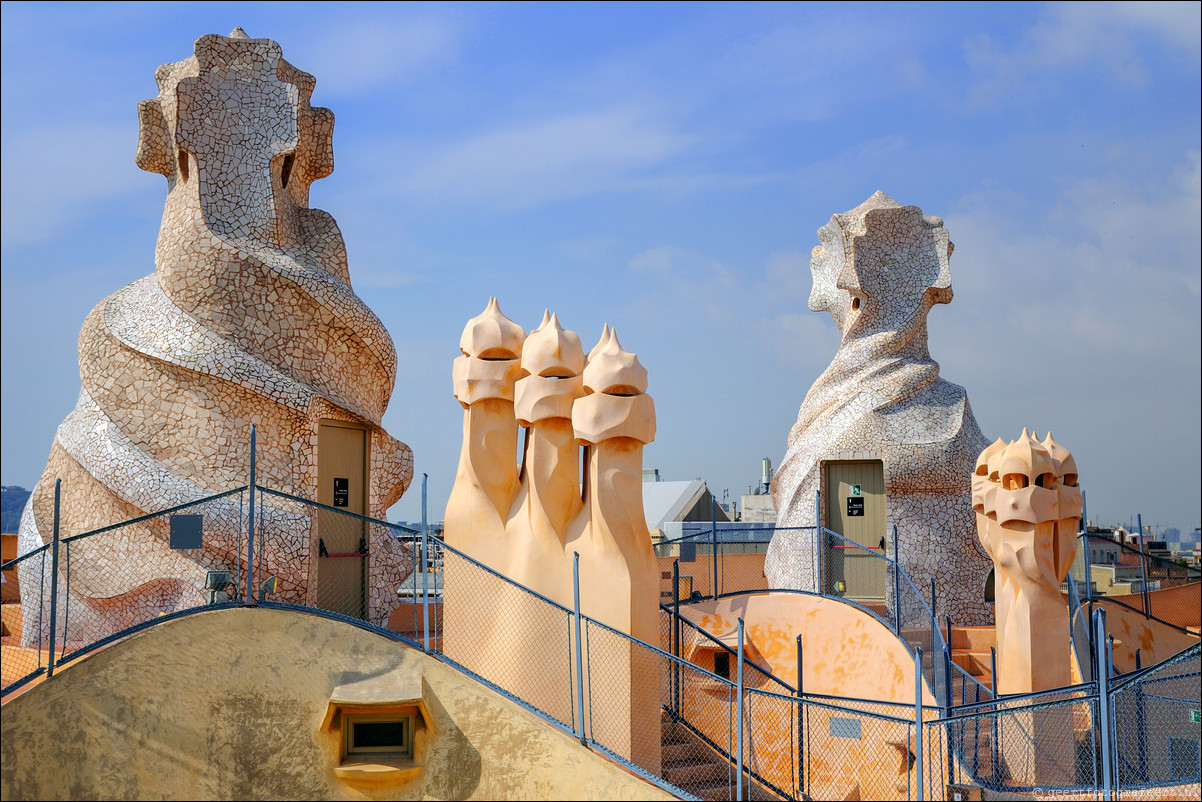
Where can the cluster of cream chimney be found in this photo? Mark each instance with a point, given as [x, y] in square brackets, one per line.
[526, 525]
[529, 524]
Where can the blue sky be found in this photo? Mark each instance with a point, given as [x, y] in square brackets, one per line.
[664, 168]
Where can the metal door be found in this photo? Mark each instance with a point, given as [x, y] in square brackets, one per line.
[342, 539]
[855, 509]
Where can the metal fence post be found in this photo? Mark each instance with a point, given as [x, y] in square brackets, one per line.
[1104, 724]
[801, 752]
[947, 707]
[739, 739]
[676, 637]
[947, 654]
[425, 568]
[896, 585]
[819, 541]
[1143, 564]
[934, 645]
[250, 527]
[58, 486]
[1141, 723]
[714, 539]
[1085, 542]
[918, 722]
[997, 732]
[579, 651]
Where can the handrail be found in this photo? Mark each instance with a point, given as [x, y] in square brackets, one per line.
[708, 741]
[842, 600]
[441, 544]
[328, 508]
[1089, 693]
[709, 534]
[936, 633]
[891, 563]
[665, 608]
[22, 557]
[1117, 600]
[150, 515]
[1134, 676]
[1083, 691]
[722, 681]
[831, 701]
[1192, 574]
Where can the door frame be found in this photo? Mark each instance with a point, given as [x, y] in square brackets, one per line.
[365, 507]
[826, 553]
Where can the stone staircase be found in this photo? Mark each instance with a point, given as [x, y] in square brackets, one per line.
[693, 766]
[970, 651]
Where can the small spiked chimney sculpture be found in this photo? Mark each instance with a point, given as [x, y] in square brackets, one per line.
[1028, 506]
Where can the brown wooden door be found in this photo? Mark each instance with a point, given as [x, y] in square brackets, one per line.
[342, 483]
[855, 509]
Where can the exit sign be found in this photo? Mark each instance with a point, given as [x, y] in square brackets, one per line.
[1195, 716]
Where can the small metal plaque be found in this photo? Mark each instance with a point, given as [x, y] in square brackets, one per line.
[186, 531]
[342, 492]
[855, 507]
[845, 727]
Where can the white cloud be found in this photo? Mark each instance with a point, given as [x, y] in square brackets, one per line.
[1069, 35]
[1178, 23]
[365, 54]
[587, 249]
[552, 159]
[1087, 321]
[692, 280]
[806, 70]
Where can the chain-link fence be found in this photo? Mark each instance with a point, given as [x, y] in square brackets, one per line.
[1124, 575]
[126, 575]
[684, 712]
[1157, 724]
[715, 560]
[855, 749]
[26, 581]
[688, 734]
[361, 563]
[1039, 742]
[116, 579]
[693, 643]
[507, 635]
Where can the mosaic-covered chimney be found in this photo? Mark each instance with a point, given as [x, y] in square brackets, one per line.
[881, 439]
[249, 318]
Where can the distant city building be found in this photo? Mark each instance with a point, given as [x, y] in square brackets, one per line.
[667, 502]
[1186, 546]
[757, 503]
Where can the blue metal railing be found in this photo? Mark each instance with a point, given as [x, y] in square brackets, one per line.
[962, 744]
